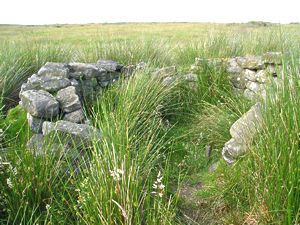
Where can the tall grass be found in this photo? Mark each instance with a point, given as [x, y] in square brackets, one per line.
[116, 182]
[266, 181]
[18, 61]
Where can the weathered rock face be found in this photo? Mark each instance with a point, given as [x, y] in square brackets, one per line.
[250, 75]
[80, 134]
[40, 103]
[50, 84]
[109, 65]
[70, 84]
[68, 99]
[75, 117]
[252, 63]
[86, 71]
[55, 69]
[35, 123]
[242, 132]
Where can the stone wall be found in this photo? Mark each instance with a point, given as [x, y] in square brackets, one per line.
[55, 95]
[251, 75]
[248, 74]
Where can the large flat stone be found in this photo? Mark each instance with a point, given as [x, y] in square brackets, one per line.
[73, 133]
[86, 70]
[109, 65]
[47, 83]
[40, 103]
[55, 69]
[245, 128]
[252, 63]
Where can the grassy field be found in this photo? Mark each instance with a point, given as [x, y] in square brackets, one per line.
[154, 137]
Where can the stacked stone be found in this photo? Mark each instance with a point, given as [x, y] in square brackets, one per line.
[58, 90]
[250, 73]
[53, 99]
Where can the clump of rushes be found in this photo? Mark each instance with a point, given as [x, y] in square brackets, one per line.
[118, 184]
[265, 183]
[18, 61]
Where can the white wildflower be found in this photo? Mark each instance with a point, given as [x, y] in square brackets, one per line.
[158, 185]
[116, 174]
[120, 171]
[9, 183]
[48, 207]
[161, 186]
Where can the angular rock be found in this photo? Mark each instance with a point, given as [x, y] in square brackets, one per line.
[36, 144]
[249, 75]
[86, 70]
[72, 133]
[262, 76]
[74, 82]
[40, 103]
[238, 80]
[109, 65]
[47, 83]
[255, 87]
[55, 69]
[39, 145]
[233, 66]
[75, 117]
[232, 150]
[88, 87]
[252, 63]
[250, 94]
[244, 129]
[35, 123]
[68, 99]
[272, 58]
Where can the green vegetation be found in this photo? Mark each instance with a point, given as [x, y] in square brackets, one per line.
[153, 133]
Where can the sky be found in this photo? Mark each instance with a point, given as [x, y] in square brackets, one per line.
[36, 12]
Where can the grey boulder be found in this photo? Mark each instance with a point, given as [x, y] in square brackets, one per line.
[55, 69]
[68, 99]
[252, 63]
[109, 65]
[35, 123]
[73, 133]
[47, 83]
[86, 70]
[75, 117]
[40, 103]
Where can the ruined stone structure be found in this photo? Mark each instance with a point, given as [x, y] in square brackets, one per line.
[55, 95]
[251, 75]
